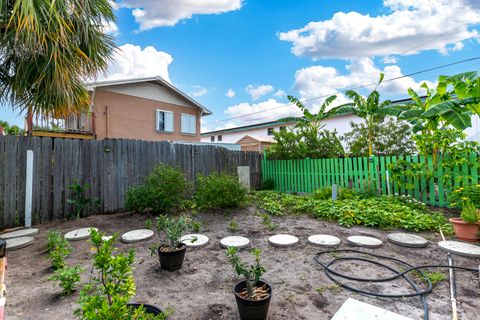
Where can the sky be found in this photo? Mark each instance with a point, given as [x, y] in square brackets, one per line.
[241, 58]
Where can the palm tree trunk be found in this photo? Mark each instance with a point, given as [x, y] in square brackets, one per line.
[29, 121]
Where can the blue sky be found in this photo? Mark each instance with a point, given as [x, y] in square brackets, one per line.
[261, 50]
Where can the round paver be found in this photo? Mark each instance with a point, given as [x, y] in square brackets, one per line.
[18, 243]
[407, 240]
[19, 233]
[234, 241]
[137, 235]
[460, 248]
[79, 234]
[364, 241]
[282, 240]
[324, 240]
[194, 240]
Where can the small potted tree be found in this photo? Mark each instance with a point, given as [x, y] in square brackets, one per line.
[171, 255]
[252, 294]
[467, 226]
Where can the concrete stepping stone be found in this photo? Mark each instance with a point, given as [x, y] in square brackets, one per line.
[364, 241]
[137, 235]
[19, 233]
[78, 234]
[194, 240]
[234, 241]
[324, 240]
[460, 248]
[356, 310]
[18, 243]
[407, 240]
[283, 240]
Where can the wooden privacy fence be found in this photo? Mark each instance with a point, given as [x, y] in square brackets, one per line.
[307, 175]
[108, 166]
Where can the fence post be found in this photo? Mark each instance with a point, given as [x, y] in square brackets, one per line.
[28, 189]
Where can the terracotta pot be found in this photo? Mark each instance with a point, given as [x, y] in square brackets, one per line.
[465, 231]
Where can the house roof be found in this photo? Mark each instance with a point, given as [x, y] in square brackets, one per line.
[259, 139]
[157, 79]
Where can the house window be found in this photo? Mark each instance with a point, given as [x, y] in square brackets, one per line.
[164, 121]
[212, 139]
[189, 123]
[270, 131]
[219, 138]
[283, 128]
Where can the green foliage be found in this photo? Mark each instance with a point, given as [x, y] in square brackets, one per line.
[219, 191]
[251, 273]
[111, 286]
[268, 184]
[435, 277]
[163, 190]
[469, 213]
[58, 249]
[389, 137]
[67, 278]
[267, 222]
[80, 201]
[174, 227]
[465, 194]
[148, 224]
[233, 226]
[342, 194]
[12, 130]
[385, 212]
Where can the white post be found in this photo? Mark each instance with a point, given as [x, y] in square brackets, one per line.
[334, 192]
[387, 176]
[28, 189]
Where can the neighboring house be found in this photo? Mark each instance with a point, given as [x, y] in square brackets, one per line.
[265, 129]
[252, 143]
[144, 109]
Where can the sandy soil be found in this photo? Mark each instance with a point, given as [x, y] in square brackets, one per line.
[202, 289]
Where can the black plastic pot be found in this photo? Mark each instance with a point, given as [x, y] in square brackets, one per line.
[147, 307]
[172, 260]
[252, 310]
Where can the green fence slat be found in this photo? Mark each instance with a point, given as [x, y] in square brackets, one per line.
[465, 174]
[474, 168]
[431, 187]
[383, 175]
[345, 172]
[355, 173]
[416, 181]
[439, 176]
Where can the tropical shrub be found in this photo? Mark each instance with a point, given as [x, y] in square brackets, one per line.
[219, 191]
[58, 249]
[163, 190]
[67, 278]
[79, 199]
[464, 194]
[173, 227]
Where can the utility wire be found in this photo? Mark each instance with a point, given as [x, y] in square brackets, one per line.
[353, 88]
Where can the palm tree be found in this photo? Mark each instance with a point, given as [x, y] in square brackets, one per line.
[48, 50]
[369, 108]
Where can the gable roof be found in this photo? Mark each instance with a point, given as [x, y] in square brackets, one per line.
[259, 139]
[159, 80]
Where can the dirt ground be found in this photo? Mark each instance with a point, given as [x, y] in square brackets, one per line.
[202, 289]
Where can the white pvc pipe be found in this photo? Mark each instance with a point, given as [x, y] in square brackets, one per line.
[28, 189]
[387, 176]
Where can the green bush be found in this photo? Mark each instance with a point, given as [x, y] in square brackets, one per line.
[383, 212]
[163, 190]
[67, 278]
[342, 193]
[268, 184]
[464, 194]
[469, 213]
[219, 191]
[58, 249]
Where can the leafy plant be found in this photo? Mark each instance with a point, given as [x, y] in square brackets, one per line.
[112, 285]
[268, 184]
[267, 222]
[173, 227]
[233, 226]
[465, 194]
[342, 193]
[219, 191]
[469, 213]
[79, 200]
[58, 249]
[67, 278]
[163, 190]
[251, 273]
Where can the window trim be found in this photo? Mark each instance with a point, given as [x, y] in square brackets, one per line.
[270, 133]
[219, 138]
[194, 123]
[157, 127]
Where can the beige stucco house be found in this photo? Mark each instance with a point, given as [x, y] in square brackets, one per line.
[144, 109]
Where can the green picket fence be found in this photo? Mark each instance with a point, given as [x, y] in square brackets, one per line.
[307, 175]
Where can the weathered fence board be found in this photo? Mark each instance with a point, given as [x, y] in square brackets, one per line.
[110, 167]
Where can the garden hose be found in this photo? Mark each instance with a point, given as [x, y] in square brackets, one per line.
[374, 259]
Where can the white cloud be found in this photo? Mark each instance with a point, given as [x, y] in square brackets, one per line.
[409, 27]
[230, 93]
[131, 61]
[280, 93]
[315, 81]
[257, 92]
[267, 110]
[110, 27]
[199, 91]
[159, 13]
[390, 60]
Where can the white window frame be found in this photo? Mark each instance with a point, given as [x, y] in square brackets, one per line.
[191, 125]
[157, 124]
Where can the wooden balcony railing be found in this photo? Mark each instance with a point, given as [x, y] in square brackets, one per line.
[81, 123]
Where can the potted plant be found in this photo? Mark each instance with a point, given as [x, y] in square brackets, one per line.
[467, 226]
[171, 255]
[252, 294]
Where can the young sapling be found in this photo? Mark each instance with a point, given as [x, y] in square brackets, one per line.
[251, 273]
[173, 227]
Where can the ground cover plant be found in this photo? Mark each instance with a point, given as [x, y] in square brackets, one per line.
[386, 212]
[219, 191]
[67, 278]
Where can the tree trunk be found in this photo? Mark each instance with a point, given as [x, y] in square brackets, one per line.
[29, 121]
